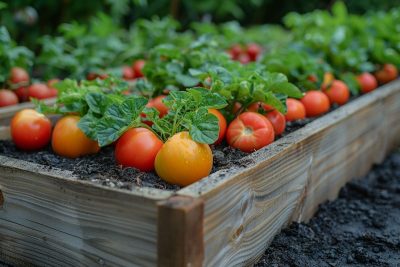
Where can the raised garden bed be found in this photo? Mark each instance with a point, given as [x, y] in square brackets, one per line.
[52, 217]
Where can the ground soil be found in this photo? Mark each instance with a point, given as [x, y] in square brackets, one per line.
[102, 169]
[360, 228]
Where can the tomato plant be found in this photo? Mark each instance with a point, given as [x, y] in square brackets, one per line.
[69, 141]
[30, 130]
[138, 148]
[249, 132]
[221, 123]
[337, 92]
[183, 161]
[7, 98]
[316, 103]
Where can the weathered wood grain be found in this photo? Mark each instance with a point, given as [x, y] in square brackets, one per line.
[6, 113]
[180, 232]
[246, 206]
[48, 219]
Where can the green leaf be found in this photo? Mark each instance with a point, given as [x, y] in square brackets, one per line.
[286, 88]
[203, 126]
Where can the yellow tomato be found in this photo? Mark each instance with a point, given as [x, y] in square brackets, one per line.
[69, 141]
[183, 161]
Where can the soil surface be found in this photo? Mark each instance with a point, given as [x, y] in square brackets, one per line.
[360, 228]
[101, 168]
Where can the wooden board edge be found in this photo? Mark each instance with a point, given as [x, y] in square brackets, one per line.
[180, 236]
[11, 110]
[217, 180]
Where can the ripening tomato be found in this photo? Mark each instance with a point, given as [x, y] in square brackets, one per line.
[222, 125]
[69, 141]
[276, 118]
[337, 92]
[7, 98]
[22, 93]
[328, 78]
[315, 103]
[235, 51]
[138, 67]
[295, 110]
[39, 91]
[253, 50]
[53, 92]
[183, 161]
[249, 132]
[138, 148]
[18, 75]
[128, 73]
[30, 130]
[158, 104]
[367, 82]
[387, 73]
[244, 58]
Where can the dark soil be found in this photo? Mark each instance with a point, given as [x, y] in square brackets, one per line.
[102, 169]
[360, 228]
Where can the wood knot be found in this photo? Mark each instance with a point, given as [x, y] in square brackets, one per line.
[238, 232]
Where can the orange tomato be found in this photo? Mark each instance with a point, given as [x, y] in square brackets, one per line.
[183, 161]
[337, 92]
[295, 110]
[30, 130]
[316, 103]
[222, 125]
[69, 141]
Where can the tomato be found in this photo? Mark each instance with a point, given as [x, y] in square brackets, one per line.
[367, 82]
[158, 104]
[328, 78]
[337, 92]
[236, 107]
[138, 67]
[22, 93]
[276, 118]
[138, 148]
[387, 73]
[93, 76]
[295, 110]
[253, 50]
[53, 92]
[244, 58]
[235, 51]
[315, 103]
[128, 73]
[222, 125]
[249, 132]
[7, 98]
[312, 78]
[183, 161]
[30, 130]
[39, 91]
[18, 75]
[69, 141]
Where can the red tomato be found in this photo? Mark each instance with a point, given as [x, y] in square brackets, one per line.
[312, 78]
[295, 110]
[337, 92]
[53, 92]
[93, 76]
[39, 91]
[22, 93]
[7, 98]
[249, 132]
[235, 51]
[30, 130]
[367, 82]
[276, 118]
[253, 50]
[222, 125]
[128, 73]
[138, 67]
[18, 75]
[236, 107]
[158, 104]
[138, 148]
[244, 58]
[316, 103]
[387, 73]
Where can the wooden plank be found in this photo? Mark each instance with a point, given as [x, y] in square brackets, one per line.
[180, 232]
[246, 206]
[48, 219]
[6, 113]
